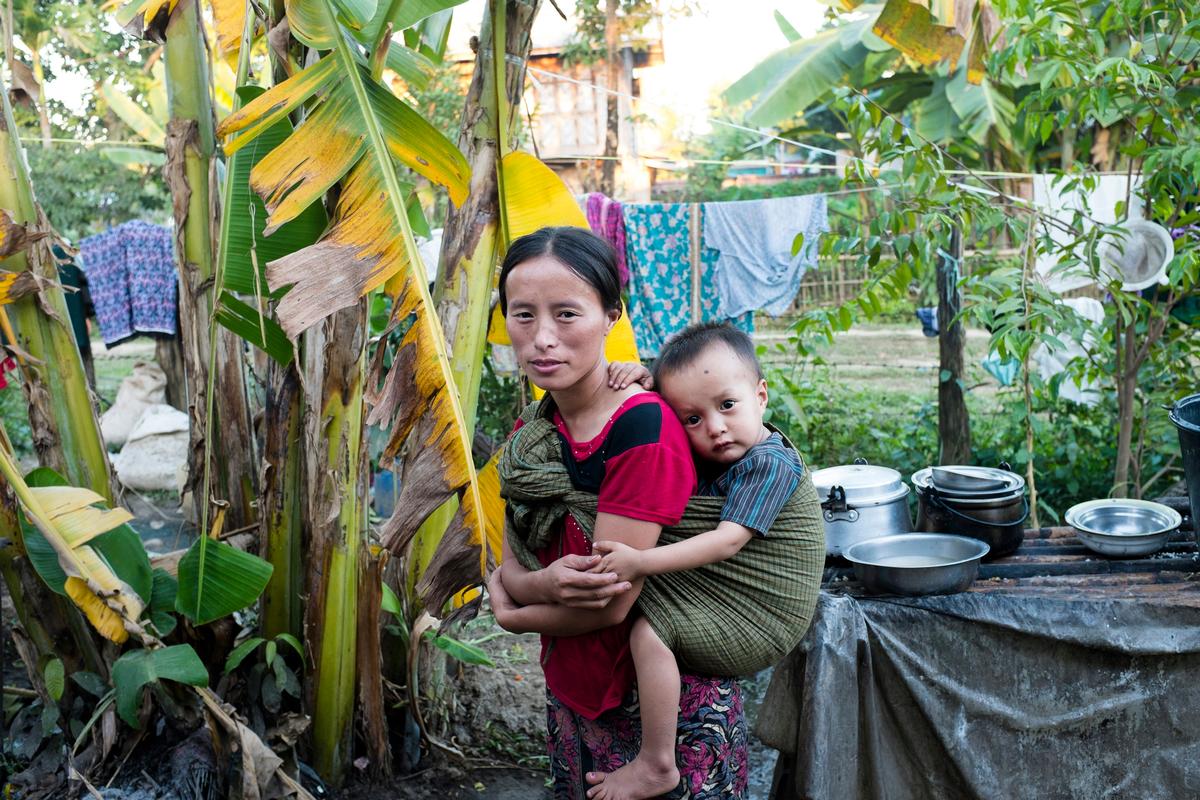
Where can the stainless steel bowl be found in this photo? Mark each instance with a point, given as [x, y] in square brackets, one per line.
[1123, 528]
[917, 563]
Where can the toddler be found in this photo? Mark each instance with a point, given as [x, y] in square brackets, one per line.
[711, 378]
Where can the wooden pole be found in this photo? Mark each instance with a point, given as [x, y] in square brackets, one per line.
[954, 424]
[694, 259]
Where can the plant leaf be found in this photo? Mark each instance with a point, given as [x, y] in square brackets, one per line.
[233, 579]
[787, 82]
[245, 320]
[240, 652]
[461, 651]
[139, 121]
[67, 522]
[390, 602]
[55, 676]
[162, 602]
[246, 224]
[911, 29]
[229, 17]
[135, 669]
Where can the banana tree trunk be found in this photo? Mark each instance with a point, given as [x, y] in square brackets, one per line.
[471, 244]
[189, 174]
[66, 432]
[335, 354]
[282, 500]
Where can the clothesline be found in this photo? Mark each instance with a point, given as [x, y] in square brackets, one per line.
[825, 151]
[93, 142]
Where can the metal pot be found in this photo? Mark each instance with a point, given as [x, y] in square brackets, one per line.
[859, 502]
[998, 519]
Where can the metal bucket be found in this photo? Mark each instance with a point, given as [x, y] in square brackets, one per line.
[999, 521]
[1185, 415]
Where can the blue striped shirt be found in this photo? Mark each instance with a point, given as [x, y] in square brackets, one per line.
[757, 485]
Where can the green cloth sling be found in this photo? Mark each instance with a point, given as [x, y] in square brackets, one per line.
[731, 618]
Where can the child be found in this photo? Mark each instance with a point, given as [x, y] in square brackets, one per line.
[710, 377]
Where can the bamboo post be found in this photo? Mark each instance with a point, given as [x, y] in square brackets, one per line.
[694, 251]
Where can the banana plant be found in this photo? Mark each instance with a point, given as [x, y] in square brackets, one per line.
[212, 357]
[353, 133]
[60, 404]
[908, 56]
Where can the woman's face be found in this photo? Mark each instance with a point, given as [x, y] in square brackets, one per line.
[556, 322]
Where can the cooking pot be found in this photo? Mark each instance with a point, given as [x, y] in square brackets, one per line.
[860, 501]
[995, 518]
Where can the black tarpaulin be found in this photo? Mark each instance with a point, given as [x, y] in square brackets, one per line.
[1067, 687]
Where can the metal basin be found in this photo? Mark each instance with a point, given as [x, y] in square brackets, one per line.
[917, 563]
[1123, 528]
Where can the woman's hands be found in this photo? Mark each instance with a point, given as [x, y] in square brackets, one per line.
[576, 582]
[627, 373]
[572, 581]
[625, 561]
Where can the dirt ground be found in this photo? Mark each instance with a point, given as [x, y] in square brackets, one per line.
[498, 721]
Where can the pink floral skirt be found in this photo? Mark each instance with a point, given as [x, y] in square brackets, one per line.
[711, 748]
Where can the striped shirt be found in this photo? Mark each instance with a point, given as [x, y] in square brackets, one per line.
[757, 485]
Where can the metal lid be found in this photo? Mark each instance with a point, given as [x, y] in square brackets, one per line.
[865, 484]
[990, 482]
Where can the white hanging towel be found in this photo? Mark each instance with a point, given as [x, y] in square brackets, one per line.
[1059, 202]
[756, 268]
[1051, 361]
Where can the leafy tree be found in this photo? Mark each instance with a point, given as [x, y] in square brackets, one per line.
[84, 193]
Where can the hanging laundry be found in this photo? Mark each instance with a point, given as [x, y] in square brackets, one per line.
[1054, 199]
[1052, 361]
[132, 280]
[7, 364]
[756, 268]
[607, 221]
[660, 274]
[79, 302]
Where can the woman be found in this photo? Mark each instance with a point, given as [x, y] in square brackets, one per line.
[560, 293]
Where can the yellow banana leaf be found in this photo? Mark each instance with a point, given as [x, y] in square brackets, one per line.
[229, 18]
[911, 29]
[68, 518]
[15, 285]
[14, 236]
[355, 130]
[493, 504]
[147, 18]
[536, 197]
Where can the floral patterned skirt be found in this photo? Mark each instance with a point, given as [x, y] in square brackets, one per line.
[711, 748]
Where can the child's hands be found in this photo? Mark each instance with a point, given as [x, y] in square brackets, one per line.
[620, 558]
[626, 373]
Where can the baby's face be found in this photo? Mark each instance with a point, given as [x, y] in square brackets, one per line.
[720, 402]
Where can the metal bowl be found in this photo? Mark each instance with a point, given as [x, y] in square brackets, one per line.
[1123, 528]
[917, 563]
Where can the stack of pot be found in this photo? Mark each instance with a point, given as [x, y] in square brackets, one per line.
[981, 502]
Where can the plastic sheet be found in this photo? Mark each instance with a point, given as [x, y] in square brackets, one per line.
[1039, 690]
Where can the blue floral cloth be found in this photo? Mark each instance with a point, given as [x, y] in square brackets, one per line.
[660, 275]
[132, 279]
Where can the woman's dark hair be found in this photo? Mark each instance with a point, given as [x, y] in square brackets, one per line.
[579, 250]
[686, 346]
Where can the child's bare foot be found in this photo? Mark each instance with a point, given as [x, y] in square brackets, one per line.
[637, 780]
